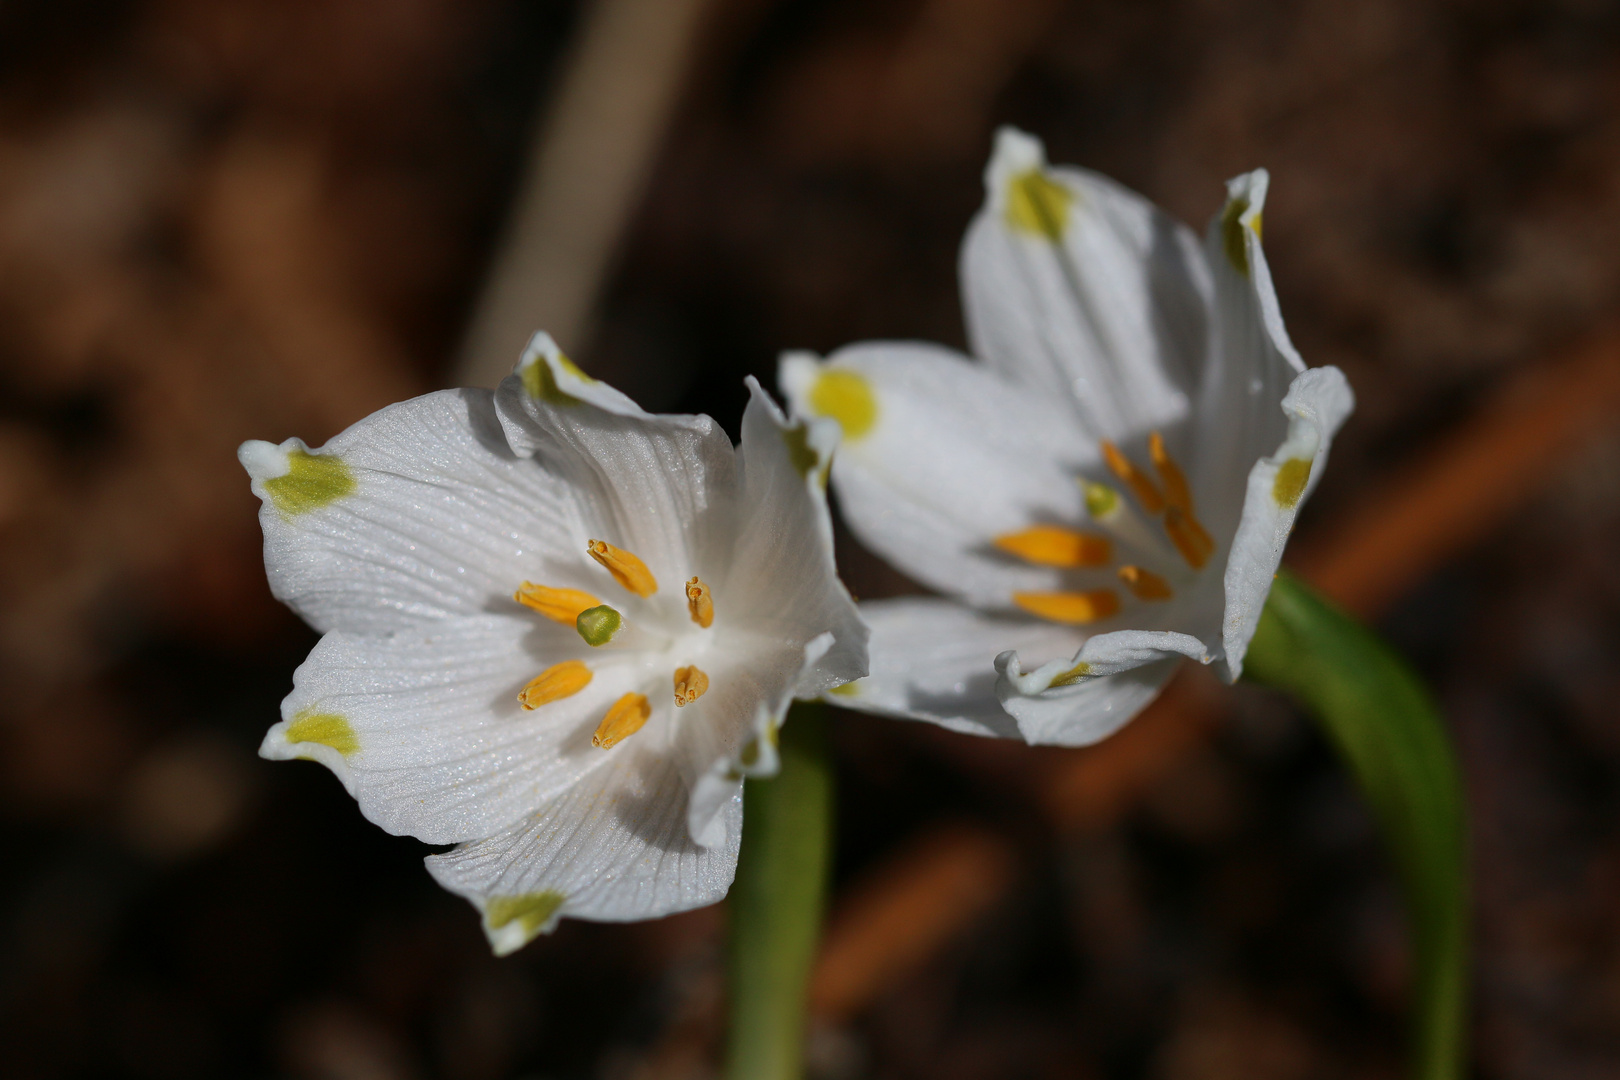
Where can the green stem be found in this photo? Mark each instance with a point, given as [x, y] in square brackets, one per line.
[776, 903]
[1390, 735]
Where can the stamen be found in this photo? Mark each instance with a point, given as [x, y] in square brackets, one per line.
[555, 683]
[1195, 545]
[690, 684]
[700, 603]
[1069, 607]
[1145, 584]
[558, 605]
[597, 625]
[626, 569]
[1132, 477]
[1176, 491]
[1053, 545]
[624, 718]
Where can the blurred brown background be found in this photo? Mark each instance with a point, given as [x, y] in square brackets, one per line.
[231, 219]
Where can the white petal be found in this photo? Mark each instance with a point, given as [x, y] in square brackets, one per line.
[730, 732]
[1112, 678]
[1252, 364]
[662, 487]
[782, 583]
[1318, 401]
[433, 742]
[948, 457]
[612, 848]
[934, 660]
[418, 512]
[1104, 306]
[1086, 712]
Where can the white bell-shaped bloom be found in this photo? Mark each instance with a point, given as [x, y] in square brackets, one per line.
[559, 631]
[1106, 489]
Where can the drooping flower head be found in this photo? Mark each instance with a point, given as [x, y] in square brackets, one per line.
[1107, 488]
[559, 631]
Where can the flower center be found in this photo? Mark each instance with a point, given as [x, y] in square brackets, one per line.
[598, 624]
[1167, 499]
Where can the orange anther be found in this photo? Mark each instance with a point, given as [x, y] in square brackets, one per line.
[700, 603]
[555, 683]
[626, 569]
[624, 718]
[690, 684]
[1195, 545]
[558, 605]
[1176, 491]
[1073, 608]
[1143, 488]
[1053, 545]
[1145, 584]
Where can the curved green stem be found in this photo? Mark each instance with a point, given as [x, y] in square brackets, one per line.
[1389, 733]
[776, 903]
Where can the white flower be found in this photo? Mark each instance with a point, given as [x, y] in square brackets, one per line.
[1108, 489]
[654, 597]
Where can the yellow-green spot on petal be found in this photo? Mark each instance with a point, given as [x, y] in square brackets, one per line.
[1101, 500]
[328, 729]
[572, 368]
[597, 625]
[541, 382]
[311, 482]
[531, 911]
[1237, 248]
[1080, 671]
[1289, 485]
[1038, 204]
[847, 397]
[802, 455]
[849, 689]
[750, 754]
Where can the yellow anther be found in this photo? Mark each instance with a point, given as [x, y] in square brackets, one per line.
[1053, 545]
[623, 719]
[700, 603]
[555, 683]
[1195, 545]
[1176, 491]
[1143, 488]
[690, 684]
[558, 605]
[626, 569]
[1070, 607]
[1145, 584]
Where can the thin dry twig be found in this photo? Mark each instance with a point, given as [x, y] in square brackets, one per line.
[587, 167]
